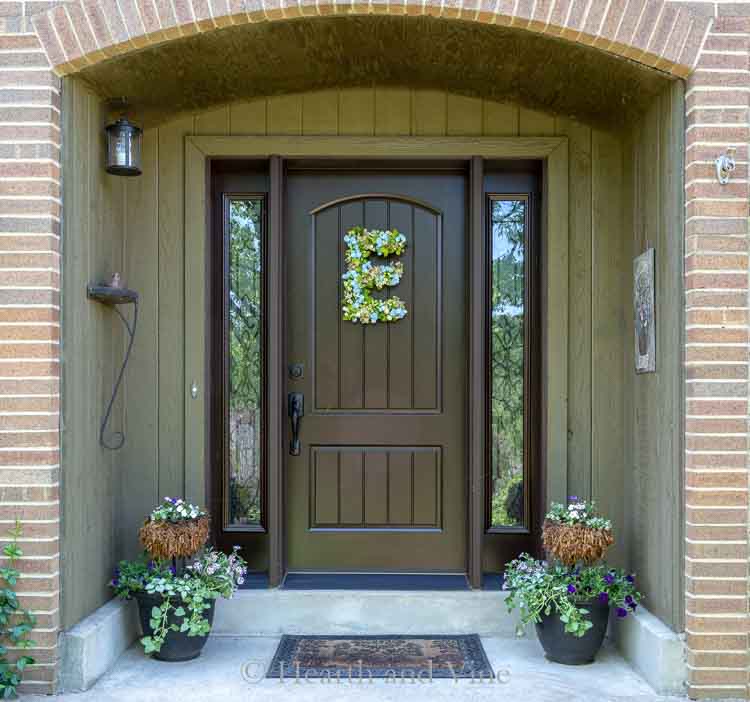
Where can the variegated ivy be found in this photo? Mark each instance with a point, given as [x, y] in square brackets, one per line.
[362, 276]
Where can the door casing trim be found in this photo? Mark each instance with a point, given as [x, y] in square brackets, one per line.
[552, 151]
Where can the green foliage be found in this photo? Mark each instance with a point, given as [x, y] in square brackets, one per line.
[244, 500]
[245, 358]
[362, 277]
[184, 597]
[16, 622]
[245, 319]
[578, 512]
[175, 509]
[537, 587]
[500, 498]
[507, 352]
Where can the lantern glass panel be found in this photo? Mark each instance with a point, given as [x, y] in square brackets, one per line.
[123, 149]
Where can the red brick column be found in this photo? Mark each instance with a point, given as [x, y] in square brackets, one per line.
[30, 326]
[716, 283]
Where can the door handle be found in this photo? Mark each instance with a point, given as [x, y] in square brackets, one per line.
[296, 406]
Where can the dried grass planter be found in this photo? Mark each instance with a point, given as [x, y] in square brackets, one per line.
[575, 543]
[181, 539]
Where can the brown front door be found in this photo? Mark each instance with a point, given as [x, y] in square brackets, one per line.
[380, 480]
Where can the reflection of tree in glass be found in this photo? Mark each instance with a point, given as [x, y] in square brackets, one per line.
[506, 363]
[245, 261]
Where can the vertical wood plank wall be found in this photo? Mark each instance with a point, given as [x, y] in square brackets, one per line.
[92, 240]
[653, 465]
[152, 463]
[154, 261]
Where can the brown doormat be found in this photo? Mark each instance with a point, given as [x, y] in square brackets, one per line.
[380, 657]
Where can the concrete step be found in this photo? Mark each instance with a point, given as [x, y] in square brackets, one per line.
[275, 612]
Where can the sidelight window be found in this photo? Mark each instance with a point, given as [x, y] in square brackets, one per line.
[244, 353]
[508, 233]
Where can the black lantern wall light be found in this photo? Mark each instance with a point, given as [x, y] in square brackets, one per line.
[123, 148]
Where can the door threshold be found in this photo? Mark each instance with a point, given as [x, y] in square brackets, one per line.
[375, 581]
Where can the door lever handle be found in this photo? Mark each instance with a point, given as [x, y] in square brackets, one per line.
[296, 407]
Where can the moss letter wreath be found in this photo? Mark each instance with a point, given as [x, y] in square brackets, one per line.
[362, 276]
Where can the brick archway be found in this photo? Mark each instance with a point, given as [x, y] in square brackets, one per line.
[656, 33]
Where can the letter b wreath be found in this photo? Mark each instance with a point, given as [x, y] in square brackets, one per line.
[362, 276]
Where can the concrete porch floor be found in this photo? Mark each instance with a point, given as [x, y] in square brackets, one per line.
[218, 675]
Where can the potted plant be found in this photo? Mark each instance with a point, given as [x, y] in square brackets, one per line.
[569, 601]
[175, 529]
[576, 533]
[176, 601]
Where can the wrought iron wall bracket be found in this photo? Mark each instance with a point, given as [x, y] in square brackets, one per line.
[113, 296]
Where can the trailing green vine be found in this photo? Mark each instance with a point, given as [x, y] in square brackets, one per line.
[183, 598]
[15, 621]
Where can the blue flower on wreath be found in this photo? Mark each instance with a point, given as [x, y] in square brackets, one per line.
[362, 275]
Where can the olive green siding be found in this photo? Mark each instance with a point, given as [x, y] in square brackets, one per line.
[600, 401]
[654, 217]
[92, 246]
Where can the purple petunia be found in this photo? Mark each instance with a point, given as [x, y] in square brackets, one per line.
[629, 599]
[629, 578]
[632, 606]
[604, 597]
[609, 578]
[115, 582]
[622, 612]
[173, 570]
[571, 589]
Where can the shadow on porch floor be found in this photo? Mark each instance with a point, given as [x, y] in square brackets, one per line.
[218, 676]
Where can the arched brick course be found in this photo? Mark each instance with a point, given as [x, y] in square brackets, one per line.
[653, 32]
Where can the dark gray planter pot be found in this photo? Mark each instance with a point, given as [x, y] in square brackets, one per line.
[177, 646]
[573, 650]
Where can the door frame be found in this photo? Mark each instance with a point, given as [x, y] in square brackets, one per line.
[552, 151]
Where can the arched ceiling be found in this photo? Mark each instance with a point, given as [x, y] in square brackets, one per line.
[494, 62]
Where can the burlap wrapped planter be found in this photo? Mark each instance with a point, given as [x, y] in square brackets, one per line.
[182, 539]
[576, 543]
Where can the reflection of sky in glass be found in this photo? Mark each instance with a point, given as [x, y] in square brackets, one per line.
[507, 361]
[508, 218]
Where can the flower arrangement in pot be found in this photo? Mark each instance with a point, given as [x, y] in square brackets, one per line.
[176, 599]
[569, 599]
[175, 529]
[576, 533]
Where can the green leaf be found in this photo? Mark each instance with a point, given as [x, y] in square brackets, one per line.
[180, 612]
[156, 613]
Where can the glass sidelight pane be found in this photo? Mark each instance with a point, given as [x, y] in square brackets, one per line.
[508, 216]
[245, 376]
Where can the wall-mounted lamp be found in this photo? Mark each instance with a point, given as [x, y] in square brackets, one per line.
[123, 148]
[725, 165]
